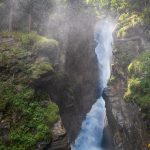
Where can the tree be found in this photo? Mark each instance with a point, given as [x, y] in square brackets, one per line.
[35, 10]
[11, 2]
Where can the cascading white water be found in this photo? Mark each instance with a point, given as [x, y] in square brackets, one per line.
[91, 133]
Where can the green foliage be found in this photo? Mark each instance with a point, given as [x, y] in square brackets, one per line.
[101, 2]
[26, 46]
[132, 13]
[112, 79]
[36, 41]
[30, 120]
[146, 15]
[39, 68]
[139, 82]
[1, 3]
[134, 85]
[28, 38]
[45, 43]
[119, 5]
[127, 21]
[30, 41]
[35, 121]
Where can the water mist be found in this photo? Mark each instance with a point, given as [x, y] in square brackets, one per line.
[91, 134]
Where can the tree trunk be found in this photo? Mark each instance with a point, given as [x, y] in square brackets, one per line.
[10, 21]
[29, 22]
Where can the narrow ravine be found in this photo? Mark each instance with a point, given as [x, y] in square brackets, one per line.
[91, 134]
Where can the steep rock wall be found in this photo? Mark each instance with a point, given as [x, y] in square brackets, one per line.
[75, 88]
[82, 69]
[125, 119]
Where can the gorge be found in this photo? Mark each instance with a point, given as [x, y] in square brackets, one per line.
[91, 133]
[68, 81]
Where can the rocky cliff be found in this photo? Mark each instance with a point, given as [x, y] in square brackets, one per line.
[125, 119]
[66, 74]
[37, 71]
[27, 113]
[81, 72]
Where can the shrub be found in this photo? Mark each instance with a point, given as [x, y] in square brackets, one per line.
[139, 82]
[36, 121]
[39, 68]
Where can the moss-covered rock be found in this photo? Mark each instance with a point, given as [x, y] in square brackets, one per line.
[21, 55]
[43, 43]
[39, 68]
[20, 63]
[35, 121]
[29, 39]
[127, 21]
[139, 82]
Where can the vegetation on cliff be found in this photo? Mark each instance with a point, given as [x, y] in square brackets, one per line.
[130, 13]
[139, 82]
[26, 112]
[27, 115]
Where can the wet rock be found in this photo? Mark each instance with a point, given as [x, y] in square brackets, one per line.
[4, 134]
[60, 143]
[4, 131]
[60, 139]
[1, 115]
[42, 145]
[124, 120]
[82, 67]
[107, 141]
[76, 92]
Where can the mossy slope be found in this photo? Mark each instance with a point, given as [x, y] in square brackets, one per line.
[27, 115]
[139, 83]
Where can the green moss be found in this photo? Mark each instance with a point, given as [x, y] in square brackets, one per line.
[146, 15]
[112, 79]
[139, 82]
[30, 41]
[127, 21]
[39, 68]
[20, 67]
[36, 121]
[43, 43]
[134, 85]
[25, 46]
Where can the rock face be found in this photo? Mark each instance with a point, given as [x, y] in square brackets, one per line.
[60, 139]
[16, 112]
[82, 80]
[75, 86]
[82, 67]
[77, 91]
[74, 89]
[125, 119]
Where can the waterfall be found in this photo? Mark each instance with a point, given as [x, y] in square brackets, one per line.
[91, 134]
